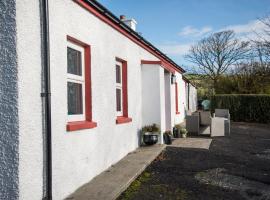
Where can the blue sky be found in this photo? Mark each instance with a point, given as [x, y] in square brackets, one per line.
[174, 25]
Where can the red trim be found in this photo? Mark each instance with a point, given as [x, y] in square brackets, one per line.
[122, 120]
[77, 42]
[163, 64]
[125, 89]
[88, 123]
[176, 99]
[150, 62]
[166, 66]
[80, 125]
[127, 34]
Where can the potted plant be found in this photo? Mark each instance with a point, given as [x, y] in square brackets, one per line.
[150, 134]
[183, 132]
[176, 131]
[167, 136]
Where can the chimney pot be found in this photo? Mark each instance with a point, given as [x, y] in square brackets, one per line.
[122, 17]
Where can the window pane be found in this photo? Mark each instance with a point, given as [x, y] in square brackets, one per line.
[118, 100]
[74, 61]
[118, 74]
[75, 103]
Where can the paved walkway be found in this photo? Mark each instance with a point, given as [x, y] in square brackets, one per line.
[111, 183]
[196, 143]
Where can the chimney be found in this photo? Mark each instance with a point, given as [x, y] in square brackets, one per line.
[129, 22]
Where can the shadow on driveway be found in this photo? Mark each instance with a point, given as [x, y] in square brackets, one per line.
[235, 167]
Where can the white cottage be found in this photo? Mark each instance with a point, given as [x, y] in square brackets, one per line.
[76, 86]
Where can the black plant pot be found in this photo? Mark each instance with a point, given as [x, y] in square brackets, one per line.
[150, 139]
[176, 133]
[167, 138]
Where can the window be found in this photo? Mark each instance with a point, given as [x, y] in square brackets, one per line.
[176, 99]
[75, 82]
[79, 102]
[121, 92]
[119, 89]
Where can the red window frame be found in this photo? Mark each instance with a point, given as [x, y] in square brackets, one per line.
[125, 118]
[87, 123]
[176, 99]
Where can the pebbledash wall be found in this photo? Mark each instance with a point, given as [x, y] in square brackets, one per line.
[77, 156]
[9, 131]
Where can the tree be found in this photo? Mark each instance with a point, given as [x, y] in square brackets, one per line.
[263, 41]
[245, 78]
[261, 54]
[216, 53]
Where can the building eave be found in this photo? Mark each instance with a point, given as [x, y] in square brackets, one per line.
[188, 81]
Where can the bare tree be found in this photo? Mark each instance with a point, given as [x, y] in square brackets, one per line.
[262, 44]
[216, 53]
[260, 61]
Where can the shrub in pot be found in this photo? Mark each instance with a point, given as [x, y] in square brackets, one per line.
[176, 131]
[150, 134]
[167, 136]
[183, 132]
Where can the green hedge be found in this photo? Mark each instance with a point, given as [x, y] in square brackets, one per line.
[244, 108]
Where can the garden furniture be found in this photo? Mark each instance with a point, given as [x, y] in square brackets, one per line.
[224, 113]
[193, 123]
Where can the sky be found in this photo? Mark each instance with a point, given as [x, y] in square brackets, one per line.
[174, 25]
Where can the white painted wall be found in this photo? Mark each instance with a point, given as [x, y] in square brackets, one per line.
[179, 118]
[79, 156]
[153, 99]
[168, 101]
[193, 101]
[150, 95]
[30, 107]
[187, 98]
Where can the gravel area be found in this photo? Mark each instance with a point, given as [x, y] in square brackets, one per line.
[235, 167]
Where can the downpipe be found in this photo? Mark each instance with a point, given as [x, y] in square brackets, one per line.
[46, 96]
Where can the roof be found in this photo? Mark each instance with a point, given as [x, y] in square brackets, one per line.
[108, 17]
[188, 81]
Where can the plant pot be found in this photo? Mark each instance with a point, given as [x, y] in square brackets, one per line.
[184, 135]
[176, 133]
[167, 138]
[150, 138]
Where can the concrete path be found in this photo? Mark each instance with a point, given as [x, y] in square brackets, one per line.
[198, 143]
[111, 183]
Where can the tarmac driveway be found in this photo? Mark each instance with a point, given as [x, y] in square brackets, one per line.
[235, 167]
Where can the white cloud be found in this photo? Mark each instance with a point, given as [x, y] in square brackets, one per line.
[248, 31]
[190, 31]
[245, 28]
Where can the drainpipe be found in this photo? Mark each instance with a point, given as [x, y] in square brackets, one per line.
[188, 94]
[46, 95]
